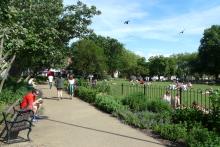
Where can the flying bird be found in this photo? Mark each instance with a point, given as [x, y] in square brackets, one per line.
[181, 32]
[126, 22]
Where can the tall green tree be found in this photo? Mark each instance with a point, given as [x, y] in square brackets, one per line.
[128, 63]
[186, 65]
[157, 66]
[88, 58]
[209, 51]
[39, 31]
[170, 67]
[113, 51]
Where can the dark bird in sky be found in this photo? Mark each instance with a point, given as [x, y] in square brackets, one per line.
[126, 22]
[181, 32]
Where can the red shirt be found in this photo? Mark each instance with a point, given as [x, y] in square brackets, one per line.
[28, 100]
[50, 73]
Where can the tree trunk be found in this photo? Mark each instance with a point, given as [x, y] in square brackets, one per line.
[7, 71]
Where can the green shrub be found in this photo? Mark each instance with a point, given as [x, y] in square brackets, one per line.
[128, 117]
[147, 119]
[41, 79]
[214, 116]
[172, 132]
[8, 96]
[82, 82]
[136, 102]
[163, 117]
[190, 116]
[201, 137]
[102, 87]
[158, 105]
[87, 94]
[107, 103]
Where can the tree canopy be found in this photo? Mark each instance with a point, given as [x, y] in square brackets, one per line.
[88, 58]
[209, 51]
[39, 31]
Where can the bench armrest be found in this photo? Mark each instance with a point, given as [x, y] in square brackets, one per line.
[23, 111]
[16, 122]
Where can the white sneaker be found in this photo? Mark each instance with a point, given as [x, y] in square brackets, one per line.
[34, 120]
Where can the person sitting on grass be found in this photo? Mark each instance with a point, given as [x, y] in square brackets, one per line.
[167, 97]
[30, 102]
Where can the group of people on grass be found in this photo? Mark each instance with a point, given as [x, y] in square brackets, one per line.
[178, 85]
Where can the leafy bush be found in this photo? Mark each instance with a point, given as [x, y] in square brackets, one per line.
[163, 117]
[199, 136]
[11, 84]
[171, 131]
[147, 119]
[102, 87]
[128, 117]
[82, 82]
[87, 94]
[107, 103]
[41, 79]
[158, 105]
[214, 116]
[136, 102]
[9, 96]
[190, 116]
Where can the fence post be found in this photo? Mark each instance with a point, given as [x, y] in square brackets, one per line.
[122, 89]
[180, 91]
[144, 89]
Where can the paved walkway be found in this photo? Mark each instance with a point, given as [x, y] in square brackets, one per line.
[74, 123]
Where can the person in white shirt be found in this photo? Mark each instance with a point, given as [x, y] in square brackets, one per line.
[71, 85]
[50, 79]
[31, 82]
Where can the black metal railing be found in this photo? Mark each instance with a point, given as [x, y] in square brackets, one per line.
[187, 97]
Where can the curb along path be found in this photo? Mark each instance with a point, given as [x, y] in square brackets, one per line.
[74, 123]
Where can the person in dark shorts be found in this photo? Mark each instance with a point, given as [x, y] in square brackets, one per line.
[60, 86]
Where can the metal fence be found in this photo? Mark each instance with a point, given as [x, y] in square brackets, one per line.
[187, 97]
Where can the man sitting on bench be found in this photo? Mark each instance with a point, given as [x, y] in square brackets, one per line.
[30, 102]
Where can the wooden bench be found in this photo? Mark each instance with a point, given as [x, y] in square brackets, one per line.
[21, 120]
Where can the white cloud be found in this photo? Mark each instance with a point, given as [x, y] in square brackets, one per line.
[145, 26]
[147, 55]
[167, 29]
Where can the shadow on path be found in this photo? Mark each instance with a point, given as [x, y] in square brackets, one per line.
[51, 98]
[56, 98]
[102, 131]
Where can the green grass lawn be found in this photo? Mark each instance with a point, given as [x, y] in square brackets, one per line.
[157, 90]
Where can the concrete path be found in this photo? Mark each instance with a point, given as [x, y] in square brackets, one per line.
[74, 123]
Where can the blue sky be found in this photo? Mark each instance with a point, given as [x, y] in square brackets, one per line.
[155, 24]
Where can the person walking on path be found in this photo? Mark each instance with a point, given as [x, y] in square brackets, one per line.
[60, 86]
[31, 83]
[50, 76]
[71, 85]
